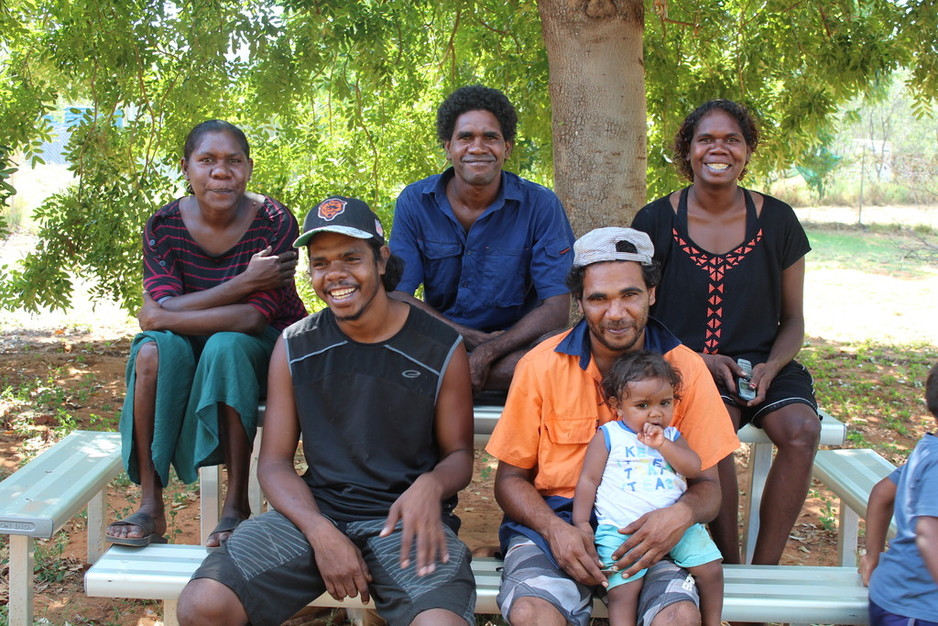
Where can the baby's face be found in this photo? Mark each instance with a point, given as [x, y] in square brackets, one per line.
[649, 401]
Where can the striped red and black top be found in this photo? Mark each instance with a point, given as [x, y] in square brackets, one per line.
[174, 264]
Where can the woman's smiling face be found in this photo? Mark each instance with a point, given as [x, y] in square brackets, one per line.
[718, 152]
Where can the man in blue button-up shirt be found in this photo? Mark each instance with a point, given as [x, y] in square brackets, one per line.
[491, 249]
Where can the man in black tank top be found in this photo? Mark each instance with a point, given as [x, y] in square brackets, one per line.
[381, 393]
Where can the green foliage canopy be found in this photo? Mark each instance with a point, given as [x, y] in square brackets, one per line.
[340, 97]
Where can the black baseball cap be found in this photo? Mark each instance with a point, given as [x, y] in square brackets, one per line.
[346, 216]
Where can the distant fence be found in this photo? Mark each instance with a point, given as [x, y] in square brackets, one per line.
[63, 121]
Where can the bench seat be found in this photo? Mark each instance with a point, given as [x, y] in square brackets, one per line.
[830, 595]
[39, 498]
[851, 475]
[833, 433]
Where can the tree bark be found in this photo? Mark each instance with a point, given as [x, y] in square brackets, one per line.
[597, 91]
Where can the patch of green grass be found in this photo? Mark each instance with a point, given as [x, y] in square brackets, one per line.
[857, 440]
[10, 393]
[66, 423]
[486, 472]
[121, 481]
[79, 327]
[843, 244]
[872, 386]
[105, 422]
[177, 496]
[87, 387]
[50, 566]
[181, 496]
[828, 515]
[46, 396]
[889, 250]
[49, 393]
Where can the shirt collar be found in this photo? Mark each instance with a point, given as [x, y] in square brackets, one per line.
[438, 188]
[510, 188]
[658, 339]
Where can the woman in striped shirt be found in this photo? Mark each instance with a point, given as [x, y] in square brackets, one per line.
[218, 269]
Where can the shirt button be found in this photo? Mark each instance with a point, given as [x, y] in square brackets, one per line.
[465, 283]
[468, 252]
[162, 263]
[153, 242]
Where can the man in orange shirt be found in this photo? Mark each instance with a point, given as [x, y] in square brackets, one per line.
[553, 409]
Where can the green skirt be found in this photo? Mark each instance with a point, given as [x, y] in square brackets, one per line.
[195, 375]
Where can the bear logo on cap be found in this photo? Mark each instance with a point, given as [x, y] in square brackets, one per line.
[330, 208]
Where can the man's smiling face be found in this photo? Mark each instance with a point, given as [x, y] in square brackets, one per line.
[477, 148]
[615, 305]
[344, 273]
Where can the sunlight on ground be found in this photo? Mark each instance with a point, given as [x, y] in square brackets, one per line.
[852, 305]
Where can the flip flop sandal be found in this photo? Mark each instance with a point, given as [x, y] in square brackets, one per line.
[226, 525]
[142, 520]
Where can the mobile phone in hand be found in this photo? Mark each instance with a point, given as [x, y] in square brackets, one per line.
[744, 383]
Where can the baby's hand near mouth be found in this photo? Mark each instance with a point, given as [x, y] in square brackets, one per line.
[652, 435]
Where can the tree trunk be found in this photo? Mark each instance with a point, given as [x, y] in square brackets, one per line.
[597, 92]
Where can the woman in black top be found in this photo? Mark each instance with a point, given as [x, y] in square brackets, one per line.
[733, 288]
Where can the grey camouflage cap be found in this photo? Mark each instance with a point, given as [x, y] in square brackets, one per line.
[599, 246]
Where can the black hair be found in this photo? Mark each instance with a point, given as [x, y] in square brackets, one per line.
[636, 366]
[931, 391]
[475, 98]
[393, 269]
[685, 135]
[213, 126]
[651, 273]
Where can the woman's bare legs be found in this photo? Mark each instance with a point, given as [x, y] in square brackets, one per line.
[795, 430]
[144, 407]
